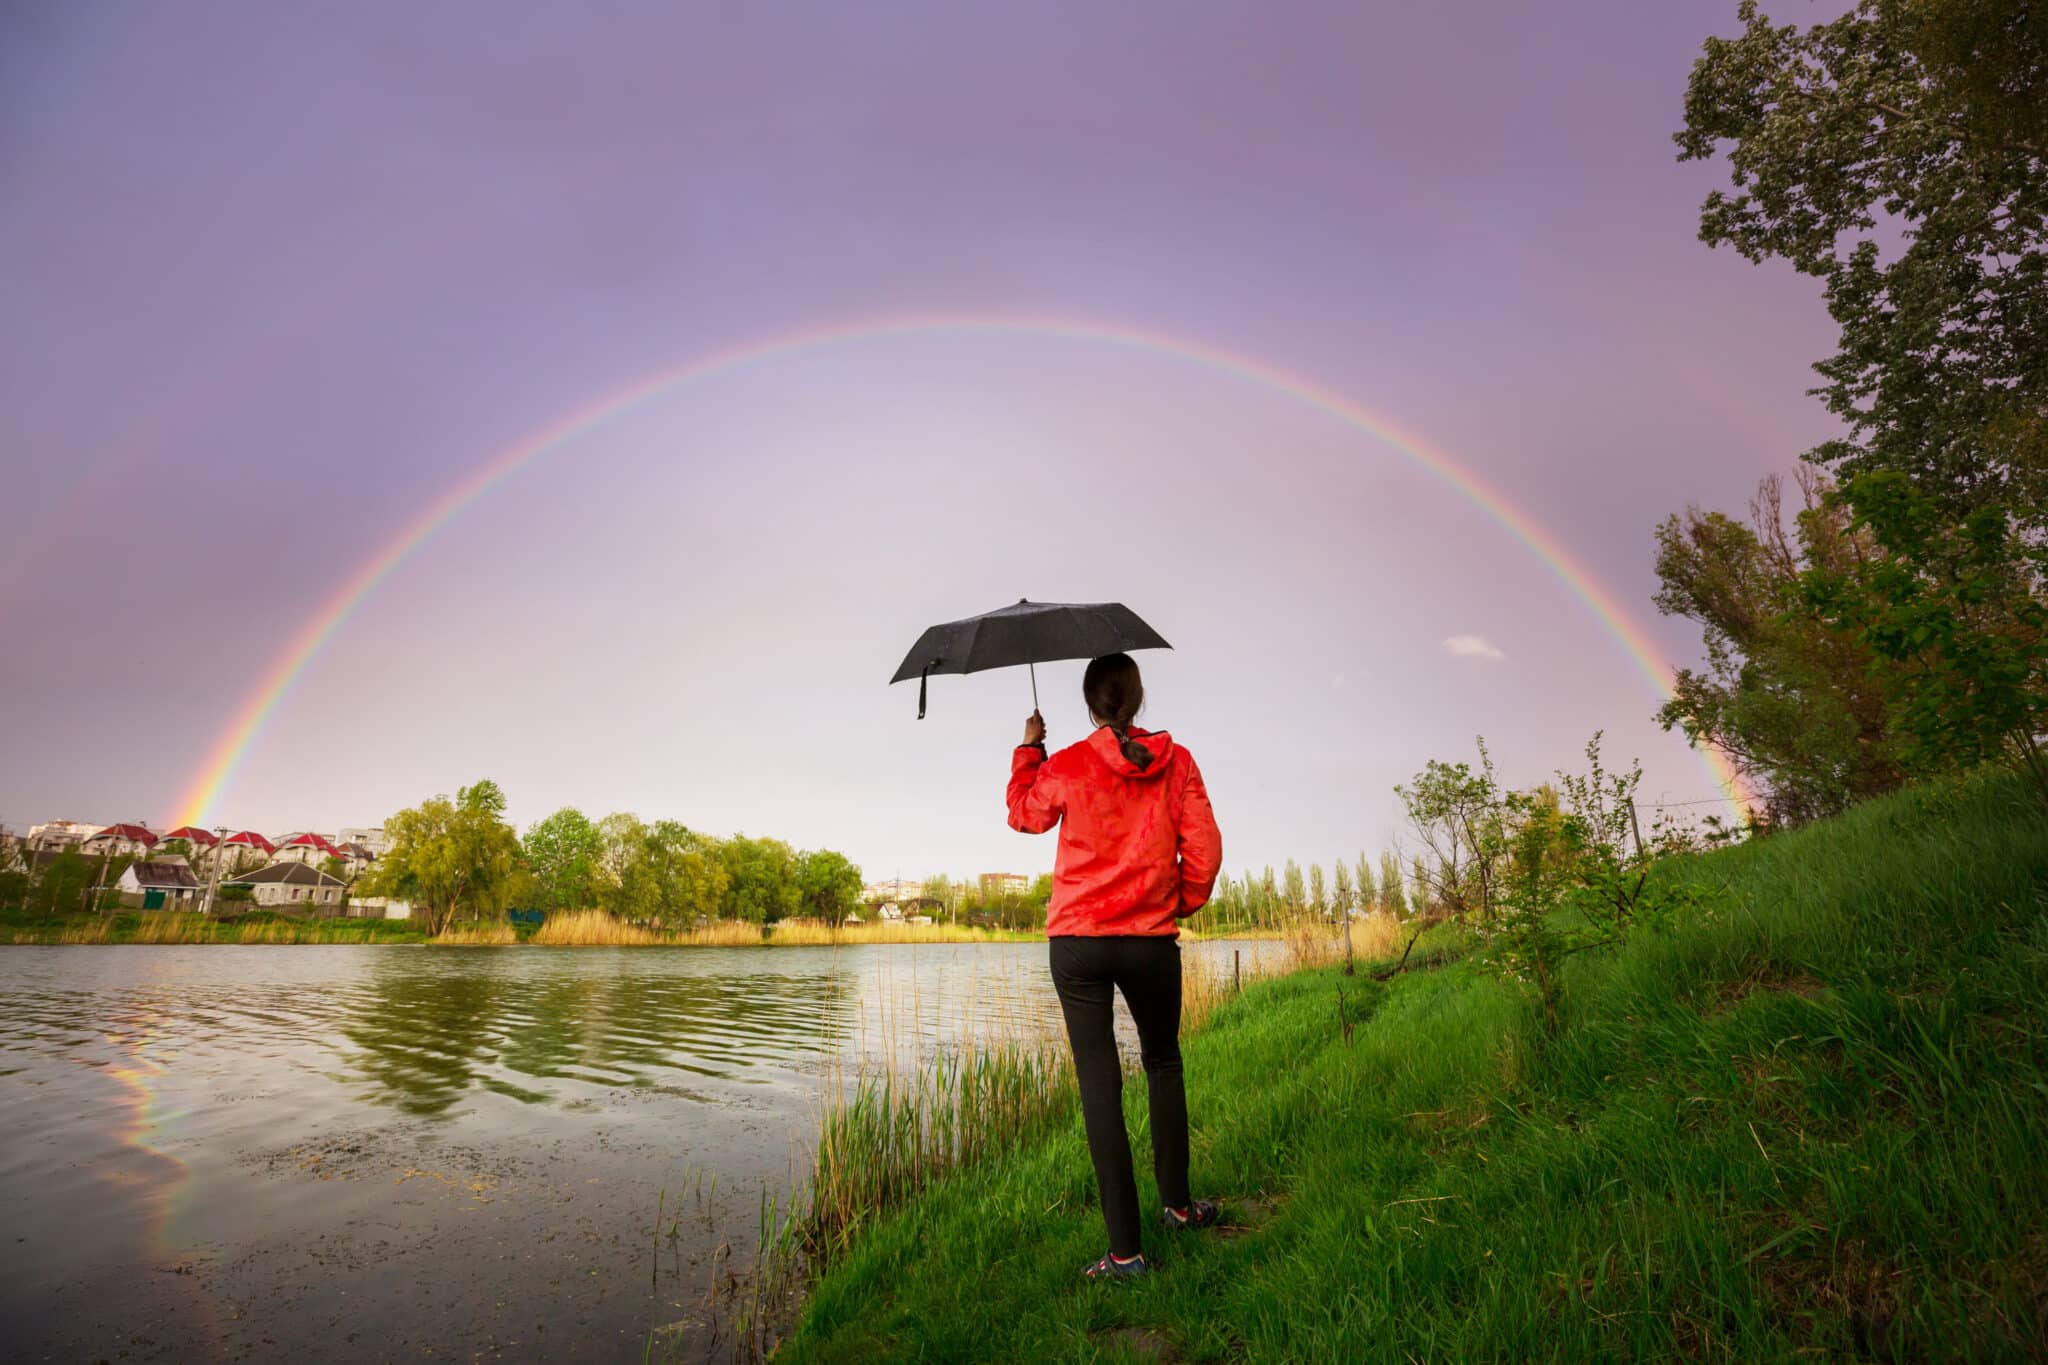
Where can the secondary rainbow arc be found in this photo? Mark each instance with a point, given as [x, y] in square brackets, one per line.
[203, 791]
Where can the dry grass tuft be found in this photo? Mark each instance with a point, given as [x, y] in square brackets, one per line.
[589, 929]
[725, 933]
[476, 935]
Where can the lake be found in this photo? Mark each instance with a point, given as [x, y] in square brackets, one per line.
[350, 1153]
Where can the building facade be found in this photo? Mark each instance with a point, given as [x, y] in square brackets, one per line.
[292, 885]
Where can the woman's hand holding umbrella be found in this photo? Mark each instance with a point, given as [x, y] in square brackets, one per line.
[1034, 729]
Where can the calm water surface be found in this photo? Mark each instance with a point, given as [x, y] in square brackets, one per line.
[342, 1153]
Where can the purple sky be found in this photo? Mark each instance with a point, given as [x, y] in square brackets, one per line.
[274, 277]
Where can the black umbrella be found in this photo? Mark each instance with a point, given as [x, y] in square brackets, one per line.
[1027, 633]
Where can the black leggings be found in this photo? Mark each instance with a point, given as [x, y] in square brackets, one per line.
[1086, 972]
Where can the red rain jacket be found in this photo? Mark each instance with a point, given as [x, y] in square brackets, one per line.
[1139, 849]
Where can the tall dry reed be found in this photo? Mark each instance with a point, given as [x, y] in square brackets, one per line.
[475, 936]
[588, 929]
[811, 931]
[724, 933]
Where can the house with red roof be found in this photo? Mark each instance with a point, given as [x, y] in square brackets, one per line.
[242, 850]
[310, 850]
[119, 841]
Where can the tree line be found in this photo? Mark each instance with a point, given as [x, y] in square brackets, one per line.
[1266, 899]
[460, 858]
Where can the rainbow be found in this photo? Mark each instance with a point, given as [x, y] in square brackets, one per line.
[204, 789]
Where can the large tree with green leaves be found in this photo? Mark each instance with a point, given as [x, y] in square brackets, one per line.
[762, 885]
[828, 885]
[683, 873]
[451, 857]
[1899, 154]
[563, 852]
[1801, 708]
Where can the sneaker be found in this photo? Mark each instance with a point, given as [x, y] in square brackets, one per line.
[1110, 1268]
[1199, 1214]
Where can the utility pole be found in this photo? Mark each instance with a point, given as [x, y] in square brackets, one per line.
[220, 850]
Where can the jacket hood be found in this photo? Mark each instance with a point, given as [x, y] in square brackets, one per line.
[1104, 743]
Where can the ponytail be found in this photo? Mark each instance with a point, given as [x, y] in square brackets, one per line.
[1114, 692]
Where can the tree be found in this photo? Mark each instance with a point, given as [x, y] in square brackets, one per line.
[1959, 622]
[679, 875]
[1318, 890]
[1040, 898]
[1421, 898]
[762, 879]
[1800, 708]
[1295, 891]
[1391, 898]
[1340, 890]
[618, 875]
[939, 887]
[1458, 815]
[828, 885]
[1366, 893]
[449, 857]
[564, 852]
[61, 887]
[1899, 154]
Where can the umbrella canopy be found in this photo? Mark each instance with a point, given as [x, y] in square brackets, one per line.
[1026, 633]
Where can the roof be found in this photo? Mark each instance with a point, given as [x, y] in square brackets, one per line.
[286, 874]
[193, 834]
[318, 841]
[134, 832]
[355, 850]
[249, 838]
[163, 876]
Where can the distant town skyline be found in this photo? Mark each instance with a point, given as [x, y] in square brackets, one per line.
[378, 300]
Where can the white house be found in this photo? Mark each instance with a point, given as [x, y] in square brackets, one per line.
[292, 885]
[59, 834]
[167, 881]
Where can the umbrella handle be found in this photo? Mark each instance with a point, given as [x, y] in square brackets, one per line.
[1034, 686]
[923, 673]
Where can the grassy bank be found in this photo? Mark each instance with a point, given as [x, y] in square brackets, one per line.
[1806, 1122]
[171, 926]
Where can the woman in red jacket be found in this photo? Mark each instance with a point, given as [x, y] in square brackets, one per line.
[1139, 852]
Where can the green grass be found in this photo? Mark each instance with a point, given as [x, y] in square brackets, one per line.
[1810, 1122]
[236, 924]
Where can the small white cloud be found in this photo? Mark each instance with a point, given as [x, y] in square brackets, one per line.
[1474, 647]
[1337, 682]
